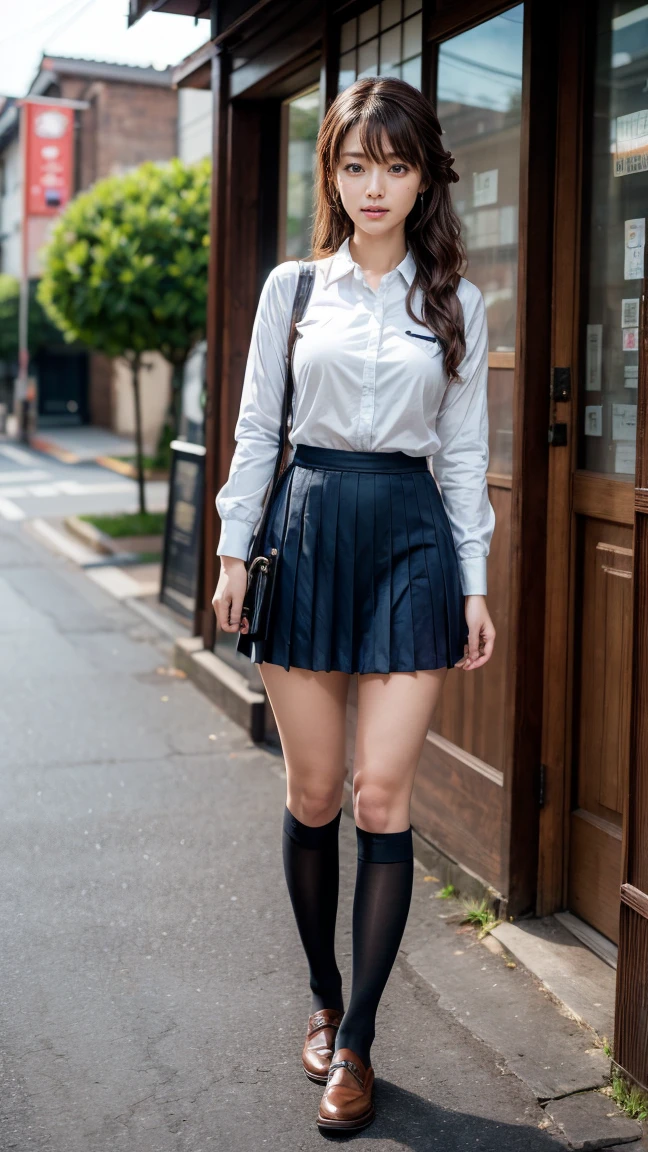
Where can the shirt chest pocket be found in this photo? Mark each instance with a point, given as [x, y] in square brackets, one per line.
[419, 337]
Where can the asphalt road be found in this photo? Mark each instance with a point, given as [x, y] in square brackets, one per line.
[153, 994]
[35, 484]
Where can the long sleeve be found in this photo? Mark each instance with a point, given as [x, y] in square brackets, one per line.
[461, 462]
[240, 501]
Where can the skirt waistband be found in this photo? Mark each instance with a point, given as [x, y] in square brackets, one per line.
[338, 459]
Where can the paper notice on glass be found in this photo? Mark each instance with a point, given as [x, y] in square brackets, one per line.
[630, 375]
[630, 339]
[631, 151]
[594, 344]
[485, 188]
[625, 457]
[624, 421]
[594, 420]
[635, 239]
[629, 313]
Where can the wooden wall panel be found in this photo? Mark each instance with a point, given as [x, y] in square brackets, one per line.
[631, 1009]
[457, 804]
[595, 872]
[472, 713]
[605, 669]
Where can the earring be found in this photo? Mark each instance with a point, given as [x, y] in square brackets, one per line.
[421, 195]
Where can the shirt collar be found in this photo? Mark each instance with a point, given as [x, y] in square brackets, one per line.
[342, 262]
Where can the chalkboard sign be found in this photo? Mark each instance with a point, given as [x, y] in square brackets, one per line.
[183, 528]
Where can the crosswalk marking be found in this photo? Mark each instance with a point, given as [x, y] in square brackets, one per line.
[10, 511]
[61, 488]
[23, 476]
[18, 454]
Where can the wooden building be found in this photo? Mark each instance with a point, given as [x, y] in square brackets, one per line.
[535, 777]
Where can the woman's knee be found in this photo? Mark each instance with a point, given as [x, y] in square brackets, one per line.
[315, 804]
[378, 805]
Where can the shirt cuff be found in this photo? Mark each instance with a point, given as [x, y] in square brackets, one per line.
[235, 538]
[473, 576]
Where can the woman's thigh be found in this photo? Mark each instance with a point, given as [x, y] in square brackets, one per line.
[310, 711]
[394, 714]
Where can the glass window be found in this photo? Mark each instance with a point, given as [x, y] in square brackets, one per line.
[395, 52]
[412, 36]
[368, 24]
[301, 119]
[348, 35]
[614, 259]
[390, 52]
[390, 13]
[479, 102]
[368, 58]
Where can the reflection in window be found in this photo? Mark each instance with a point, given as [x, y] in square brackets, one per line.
[383, 41]
[618, 196]
[479, 100]
[301, 119]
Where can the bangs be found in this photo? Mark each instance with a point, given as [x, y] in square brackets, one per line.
[384, 127]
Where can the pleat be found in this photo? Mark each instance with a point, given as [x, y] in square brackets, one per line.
[287, 568]
[363, 590]
[423, 623]
[305, 582]
[453, 601]
[344, 607]
[324, 603]
[382, 595]
[436, 586]
[401, 632]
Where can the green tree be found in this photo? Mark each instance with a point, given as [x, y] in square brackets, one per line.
[126, 270]
[41, 330]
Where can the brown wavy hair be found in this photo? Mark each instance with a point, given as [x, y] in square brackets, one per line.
[433, 232]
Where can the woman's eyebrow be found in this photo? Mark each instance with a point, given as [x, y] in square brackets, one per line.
[361, 155]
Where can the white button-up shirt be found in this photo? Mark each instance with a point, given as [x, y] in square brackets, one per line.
[367, 379]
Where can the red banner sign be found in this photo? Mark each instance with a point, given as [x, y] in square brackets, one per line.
[50, 156]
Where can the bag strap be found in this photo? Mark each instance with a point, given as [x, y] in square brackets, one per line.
[303, 292]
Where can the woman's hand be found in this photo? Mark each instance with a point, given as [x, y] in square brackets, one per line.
[227, 600]
[481, 634]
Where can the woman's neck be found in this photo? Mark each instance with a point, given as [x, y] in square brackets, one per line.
[378, 254]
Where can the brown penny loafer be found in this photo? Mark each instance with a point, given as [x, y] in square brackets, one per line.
[347, 1103]
[318, 1046]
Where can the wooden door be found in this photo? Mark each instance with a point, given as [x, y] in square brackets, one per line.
[589, 633]
[476, 791]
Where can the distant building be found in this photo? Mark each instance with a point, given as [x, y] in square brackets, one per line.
[132, 117]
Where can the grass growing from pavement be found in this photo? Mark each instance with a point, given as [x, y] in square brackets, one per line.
[129, 524]
[632, 1099]
[149, 463]
[447, 892]
[480, 916]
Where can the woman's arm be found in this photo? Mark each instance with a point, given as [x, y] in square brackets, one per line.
[240, 501]
[460, 466]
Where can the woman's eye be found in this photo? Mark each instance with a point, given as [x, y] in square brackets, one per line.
[353, 167]
[403, 167]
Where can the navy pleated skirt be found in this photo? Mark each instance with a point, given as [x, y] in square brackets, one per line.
[367, 576]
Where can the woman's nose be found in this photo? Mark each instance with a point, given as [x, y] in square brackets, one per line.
[375, 186]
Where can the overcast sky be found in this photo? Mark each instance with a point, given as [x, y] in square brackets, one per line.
[91, 29]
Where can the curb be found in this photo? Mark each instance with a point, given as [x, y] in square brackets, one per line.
[125, 469]
[50, 449]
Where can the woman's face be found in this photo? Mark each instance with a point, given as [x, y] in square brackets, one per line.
[377, 197]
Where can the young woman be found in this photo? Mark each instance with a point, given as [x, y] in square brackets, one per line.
[382, 562]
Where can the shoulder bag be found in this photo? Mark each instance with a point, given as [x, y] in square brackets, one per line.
[262, 567]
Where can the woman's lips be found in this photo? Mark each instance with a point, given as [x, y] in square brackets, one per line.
[374, 211]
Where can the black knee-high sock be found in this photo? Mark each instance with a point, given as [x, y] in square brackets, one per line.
[311, 865]
[381, 902]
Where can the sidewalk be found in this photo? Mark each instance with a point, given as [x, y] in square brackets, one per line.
[74, 445]
[154, 992]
